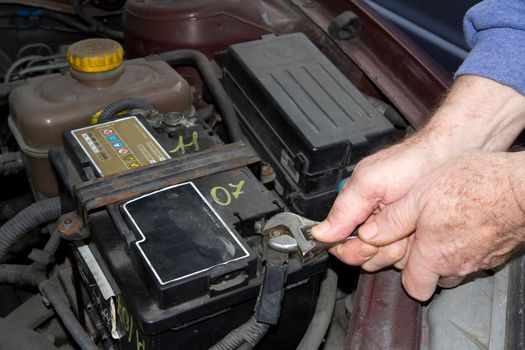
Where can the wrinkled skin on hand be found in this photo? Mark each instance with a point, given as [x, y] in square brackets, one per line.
[479, 114]
[378, 180]
[466, 217]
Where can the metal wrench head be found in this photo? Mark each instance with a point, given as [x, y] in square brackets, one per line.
[295, 226]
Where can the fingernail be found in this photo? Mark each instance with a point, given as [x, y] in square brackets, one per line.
[368, 231]
[339, 250]
[320, 230]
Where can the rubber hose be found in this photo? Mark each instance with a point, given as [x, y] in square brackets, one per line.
[33, 46]
[36, 214]
[122, 105]
[249, 332]
[42, 68]
[50, 291]
[101, 28]
[16, 64]
[68, 21]
[324, 309]
[220, 98]
[21, 275]
[31, 275]
[10, 207]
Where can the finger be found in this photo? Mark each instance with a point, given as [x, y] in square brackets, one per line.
[450, 282]
[402, 262]
[353, 252]
[386, 256]
[418, 278]
[350, 209]
[394, 222]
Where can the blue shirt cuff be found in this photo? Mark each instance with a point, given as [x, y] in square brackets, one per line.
[498, 54]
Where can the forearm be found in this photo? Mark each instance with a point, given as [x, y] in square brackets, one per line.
[477, 114]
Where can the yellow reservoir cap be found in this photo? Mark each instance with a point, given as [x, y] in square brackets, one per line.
[95, 55]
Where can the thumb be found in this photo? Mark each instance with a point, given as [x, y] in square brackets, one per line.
[394, 222]
[351, 208]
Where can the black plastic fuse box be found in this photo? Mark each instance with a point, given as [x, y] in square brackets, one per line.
[303, 115]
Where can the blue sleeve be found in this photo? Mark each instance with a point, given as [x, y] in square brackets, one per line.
[495, 30]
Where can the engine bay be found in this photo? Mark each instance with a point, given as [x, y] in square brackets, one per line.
[146, 146]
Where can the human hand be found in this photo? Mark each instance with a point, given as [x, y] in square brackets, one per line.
[467, 216]
[377, 181]
[478, 114]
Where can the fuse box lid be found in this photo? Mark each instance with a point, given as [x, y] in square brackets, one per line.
[305, 101]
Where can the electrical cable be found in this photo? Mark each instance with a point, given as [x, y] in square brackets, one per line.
[100, 27]
[16, 64]
[43, 68]
[24, 48]
[314, 335]
[36, 214]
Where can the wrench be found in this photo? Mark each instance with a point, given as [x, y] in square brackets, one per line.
[289, 232]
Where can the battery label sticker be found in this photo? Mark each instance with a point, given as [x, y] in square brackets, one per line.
[288, 164]
[119, 146]
[181, 234]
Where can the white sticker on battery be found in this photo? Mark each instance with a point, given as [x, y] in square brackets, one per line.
[288, 165]
[96, 271]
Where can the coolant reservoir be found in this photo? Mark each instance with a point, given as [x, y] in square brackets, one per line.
[48, 105]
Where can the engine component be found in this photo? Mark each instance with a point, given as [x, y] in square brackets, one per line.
[190, 24]
[34, 215]
[303, 115]
[48, 105]
[178, 254]
[93, 23]
[207, 74]
[123, 105]
[10, 162]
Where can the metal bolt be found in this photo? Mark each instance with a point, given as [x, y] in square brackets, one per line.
[173, 118]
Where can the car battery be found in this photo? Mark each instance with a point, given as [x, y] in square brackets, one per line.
[302, 114]
[184, 264]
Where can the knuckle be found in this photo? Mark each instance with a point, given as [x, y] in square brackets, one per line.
[466, 269]
[362, 171]
[395, 222]
[339, 210]
[396, 251]
[393, 216]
